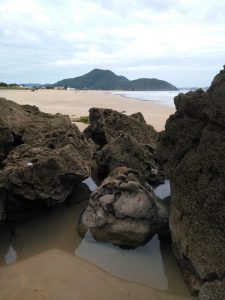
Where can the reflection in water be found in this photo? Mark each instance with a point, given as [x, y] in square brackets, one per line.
[11, 255]
[55, 228]
[90, 183]
[151, 264]
[163, 190]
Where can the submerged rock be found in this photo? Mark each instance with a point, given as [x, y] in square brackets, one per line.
[192, 149]
[45, 156]
[124, 211]
[124, 141]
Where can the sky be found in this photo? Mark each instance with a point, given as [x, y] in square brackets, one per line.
[180, 41]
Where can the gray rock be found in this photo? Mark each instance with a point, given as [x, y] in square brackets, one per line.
[47, 170]
[192, 149]
[124, 211]
[124, 141]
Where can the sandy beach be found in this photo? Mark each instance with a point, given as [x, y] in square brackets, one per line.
[40, 277]
[78, 103]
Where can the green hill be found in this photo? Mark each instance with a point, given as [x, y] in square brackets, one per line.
[99, 79]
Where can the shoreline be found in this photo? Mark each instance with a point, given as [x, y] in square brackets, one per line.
[78, 103]
[138, 99]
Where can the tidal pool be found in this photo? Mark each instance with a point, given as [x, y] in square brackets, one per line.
[152, 264]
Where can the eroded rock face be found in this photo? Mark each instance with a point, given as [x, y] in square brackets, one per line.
[43, 157]
[124, 141]
[124, 211]
[192, 149]
[48, 169]
[23, 123]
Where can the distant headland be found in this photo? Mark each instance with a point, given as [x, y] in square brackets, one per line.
[98, 79]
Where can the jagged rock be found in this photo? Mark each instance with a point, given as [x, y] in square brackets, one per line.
[124, 211]
[126, 151]
[47, 170]
[124, 141]
[106, 124]
[42, 157]
[23, 123]
[192, 149]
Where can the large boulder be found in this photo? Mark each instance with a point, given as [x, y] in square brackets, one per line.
[124, 211]
[192, 149]
[123, 141]
[43, 157]
[47, 170]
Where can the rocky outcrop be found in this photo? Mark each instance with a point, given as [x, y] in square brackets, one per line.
[124, 211]
[192, 149]
[45, 156]
[23, 123]
[123, 141]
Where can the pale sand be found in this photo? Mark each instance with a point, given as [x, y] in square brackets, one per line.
[56, 275]
[78, 103]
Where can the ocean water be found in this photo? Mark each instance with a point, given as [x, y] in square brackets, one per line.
[162, 97]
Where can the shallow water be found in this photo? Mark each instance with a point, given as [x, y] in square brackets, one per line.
[152, 265]
[162, 97]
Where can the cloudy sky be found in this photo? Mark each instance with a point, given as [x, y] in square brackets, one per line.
[181, 41]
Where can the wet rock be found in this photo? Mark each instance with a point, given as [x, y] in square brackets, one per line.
[124, 211]
[124, 141]
[192, 149]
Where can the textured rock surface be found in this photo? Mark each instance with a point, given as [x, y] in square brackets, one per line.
[23, 123]
[214, 290]
[123, 141]
[45, 156]
[48, 169]
[126, 151]
[124, 211]
[192, 149]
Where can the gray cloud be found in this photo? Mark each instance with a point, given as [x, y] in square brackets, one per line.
[179, 41]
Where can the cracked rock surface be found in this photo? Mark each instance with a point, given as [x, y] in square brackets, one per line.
[124, 211]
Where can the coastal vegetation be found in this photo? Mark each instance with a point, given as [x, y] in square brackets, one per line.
[4, 85]
[99, 79]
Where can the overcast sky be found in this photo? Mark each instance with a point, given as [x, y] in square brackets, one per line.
[181, 41]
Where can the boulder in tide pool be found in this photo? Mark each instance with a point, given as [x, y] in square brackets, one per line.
[124, 211]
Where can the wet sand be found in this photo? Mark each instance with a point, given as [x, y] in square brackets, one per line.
[78, 103]
[56, 275]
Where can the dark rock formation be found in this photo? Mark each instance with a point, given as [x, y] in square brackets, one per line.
[123, 210]
[192, 149]
[45, 156]
[23, 123]
[123, 141]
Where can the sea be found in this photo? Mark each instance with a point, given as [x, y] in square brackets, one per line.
[162, 97]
